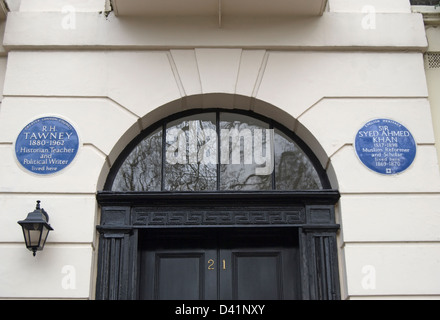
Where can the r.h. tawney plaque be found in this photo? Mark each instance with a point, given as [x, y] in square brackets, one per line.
[46, 145]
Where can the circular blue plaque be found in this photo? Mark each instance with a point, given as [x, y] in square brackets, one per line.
[385, 146]
[46, 145]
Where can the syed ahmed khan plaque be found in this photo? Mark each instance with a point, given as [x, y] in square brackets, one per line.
[46, 145]
[385, 146]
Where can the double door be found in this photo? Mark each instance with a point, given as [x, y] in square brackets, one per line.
[219, 264]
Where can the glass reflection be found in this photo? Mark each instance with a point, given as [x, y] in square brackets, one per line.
[293, 169]
[142, 169]
[191, 154]
[249, 156]
[238, 168]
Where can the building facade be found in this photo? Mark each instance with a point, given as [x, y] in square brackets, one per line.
[114, 116]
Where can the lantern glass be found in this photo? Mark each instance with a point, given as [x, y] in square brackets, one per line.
[44, 234]
[35, 235]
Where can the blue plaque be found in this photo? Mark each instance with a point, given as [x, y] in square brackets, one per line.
[385, 146]
[46, 145]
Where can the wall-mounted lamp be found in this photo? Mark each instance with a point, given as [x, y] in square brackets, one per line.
[36, 229]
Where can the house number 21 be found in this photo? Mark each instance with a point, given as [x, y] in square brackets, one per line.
[211, 264]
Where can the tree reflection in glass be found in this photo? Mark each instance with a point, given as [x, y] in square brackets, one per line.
[237, 135]
[193, 160]
[142, 169]
[293, 169]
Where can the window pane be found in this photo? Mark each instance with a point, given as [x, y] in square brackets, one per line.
[293, 169]
[191, 154]
[252, 157]
[141, 171]
[239, 169]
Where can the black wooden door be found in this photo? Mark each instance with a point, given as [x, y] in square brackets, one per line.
[227, 264]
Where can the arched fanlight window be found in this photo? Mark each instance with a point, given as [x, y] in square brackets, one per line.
[217, 150]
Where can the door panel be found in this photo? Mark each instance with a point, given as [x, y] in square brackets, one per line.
[260, 274]
[256, 276]
[223, 264]
[179, 275]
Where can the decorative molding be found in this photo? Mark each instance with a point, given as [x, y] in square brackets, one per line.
[29, 31]
[150, 216]
[118, 199]
[320, 214]
[320, 266]
[115, 216]
[431, 14]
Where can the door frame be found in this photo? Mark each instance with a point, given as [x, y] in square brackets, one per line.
[124, 214]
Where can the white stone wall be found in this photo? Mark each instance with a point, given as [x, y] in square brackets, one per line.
[323, 78]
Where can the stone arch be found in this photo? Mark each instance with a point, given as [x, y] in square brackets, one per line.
[223, 101]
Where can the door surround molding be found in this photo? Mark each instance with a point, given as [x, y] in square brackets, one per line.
[123, 215]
